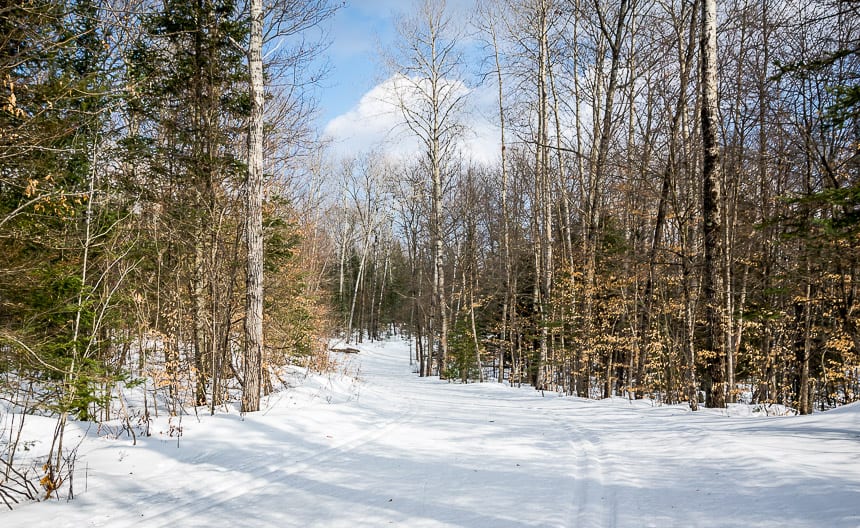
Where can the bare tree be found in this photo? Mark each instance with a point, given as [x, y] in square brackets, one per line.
[489, 17]
[430, 94]
[714, 352]
[363, 180]
[254, 219]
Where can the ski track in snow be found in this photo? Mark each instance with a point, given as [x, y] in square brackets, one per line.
[398, 450]
[213, 499]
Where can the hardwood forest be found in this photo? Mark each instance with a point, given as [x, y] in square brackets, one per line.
[673, 212]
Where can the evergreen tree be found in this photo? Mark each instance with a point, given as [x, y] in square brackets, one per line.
[188, 113]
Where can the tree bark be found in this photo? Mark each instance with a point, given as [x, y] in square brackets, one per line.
[543, 220]
[508, 305]
[713, 352]
[254, 219]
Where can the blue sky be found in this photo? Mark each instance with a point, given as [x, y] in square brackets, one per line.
[355, 109]
[356, 32]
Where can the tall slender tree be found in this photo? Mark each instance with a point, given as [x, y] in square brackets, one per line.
[254, 218]
[713, 350]
[430, 95]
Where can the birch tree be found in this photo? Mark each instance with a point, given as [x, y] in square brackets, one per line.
[254, 218]
[430, 94]
[489, 16]
[287, 20]
[714, 353]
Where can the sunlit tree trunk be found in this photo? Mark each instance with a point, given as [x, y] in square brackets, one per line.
[253, 355]
[543, 212]
[713, 352]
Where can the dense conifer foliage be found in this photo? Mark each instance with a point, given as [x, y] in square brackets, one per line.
[123, 148]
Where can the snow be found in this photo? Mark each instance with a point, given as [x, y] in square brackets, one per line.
[378, 446]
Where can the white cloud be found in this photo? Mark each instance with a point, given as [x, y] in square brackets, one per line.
[372, 124]
[376, 123]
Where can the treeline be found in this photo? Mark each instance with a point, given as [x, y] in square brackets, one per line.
[582, 260]
[124, 152]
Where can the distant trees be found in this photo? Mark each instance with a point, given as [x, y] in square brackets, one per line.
[430, 95]
[666, 219]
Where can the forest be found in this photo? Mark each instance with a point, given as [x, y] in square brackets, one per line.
[673, 212]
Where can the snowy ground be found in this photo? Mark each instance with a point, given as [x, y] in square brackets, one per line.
[386, 448]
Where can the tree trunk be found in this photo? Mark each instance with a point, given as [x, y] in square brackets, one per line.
[508, 305]
[441, 306]
[254, 219]
[357, 287]
[543, 228]
[804, 402]
[714, 353]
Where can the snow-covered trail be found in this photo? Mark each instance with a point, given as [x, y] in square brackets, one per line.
[396, 450]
